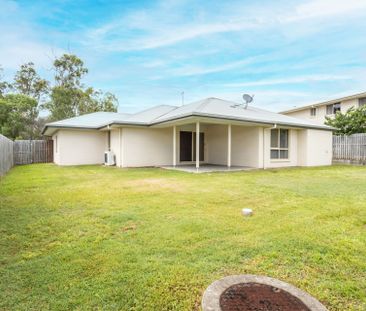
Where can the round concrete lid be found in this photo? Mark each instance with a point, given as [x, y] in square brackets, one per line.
[211, 297]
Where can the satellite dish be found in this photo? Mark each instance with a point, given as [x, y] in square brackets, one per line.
[247, 99]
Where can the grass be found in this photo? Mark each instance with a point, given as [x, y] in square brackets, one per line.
[148, 239]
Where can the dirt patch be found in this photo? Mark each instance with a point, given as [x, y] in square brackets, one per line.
[259, 297]
[130, 227]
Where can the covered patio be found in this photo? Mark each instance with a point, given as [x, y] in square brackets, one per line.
[207, 145]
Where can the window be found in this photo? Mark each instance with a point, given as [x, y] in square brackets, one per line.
[336, 108]
[333, 108]
[329, 109]
[361, 102]
[279, 144]
[313, 112]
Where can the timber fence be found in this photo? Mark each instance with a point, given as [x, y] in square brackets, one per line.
[6, 155]
[23, 152]
[33, 151]
[350, 149]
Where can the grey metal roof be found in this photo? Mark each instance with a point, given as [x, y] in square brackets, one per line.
[90, 120]
[149, 115]
[209, 107]
[223, 109]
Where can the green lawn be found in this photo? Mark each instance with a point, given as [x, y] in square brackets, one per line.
[148, 239]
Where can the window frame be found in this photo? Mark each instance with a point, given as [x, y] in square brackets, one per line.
[361, 102]
[329, 109]
[278, 148]
[313, 112]
[336, 108]
[332, 109]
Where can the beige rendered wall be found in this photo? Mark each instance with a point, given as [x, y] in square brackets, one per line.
[116, 145]
[147, 147]
[56, 149]
[79, 147]
[320, 145]
[217, 144]
[321, 111]
[302, 147]
[245, 146]
[315, 147]
[305, 114]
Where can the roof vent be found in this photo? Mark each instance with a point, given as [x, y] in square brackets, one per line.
[247, 99]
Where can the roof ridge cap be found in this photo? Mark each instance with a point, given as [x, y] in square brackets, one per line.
[203, 104]
[175, 107]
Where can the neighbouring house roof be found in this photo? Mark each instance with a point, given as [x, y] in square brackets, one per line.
[328, 102]
[209, 108]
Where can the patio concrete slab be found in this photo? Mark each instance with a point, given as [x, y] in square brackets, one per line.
[208, 168]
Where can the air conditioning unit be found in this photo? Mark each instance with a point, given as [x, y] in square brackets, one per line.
[109, 158]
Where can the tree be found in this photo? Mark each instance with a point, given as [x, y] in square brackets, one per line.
[69, 69]
[3, 84]
[351, 122]
[17, 116]
[93, 101]
[28, 82]
[109, 102]
[69, 98]
[64, 102]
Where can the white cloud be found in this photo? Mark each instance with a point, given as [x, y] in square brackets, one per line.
[194, 70]
[325, 8]
[164, 25]
[19, 40]
[161, 38]
[291, 80]
[18, 51]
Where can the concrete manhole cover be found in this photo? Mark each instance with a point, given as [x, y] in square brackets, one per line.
[256, 293]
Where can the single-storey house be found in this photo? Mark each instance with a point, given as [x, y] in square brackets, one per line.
[210, 131]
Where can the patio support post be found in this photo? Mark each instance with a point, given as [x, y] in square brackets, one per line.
[120, 148]
[229, 145]
[197, 144]
[174, 145]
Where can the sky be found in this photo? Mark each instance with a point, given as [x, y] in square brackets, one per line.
[286, 53]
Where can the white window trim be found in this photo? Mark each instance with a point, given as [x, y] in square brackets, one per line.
[279, 148]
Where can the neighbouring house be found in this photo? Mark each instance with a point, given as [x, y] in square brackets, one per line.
[317, 112]
[210, 131]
